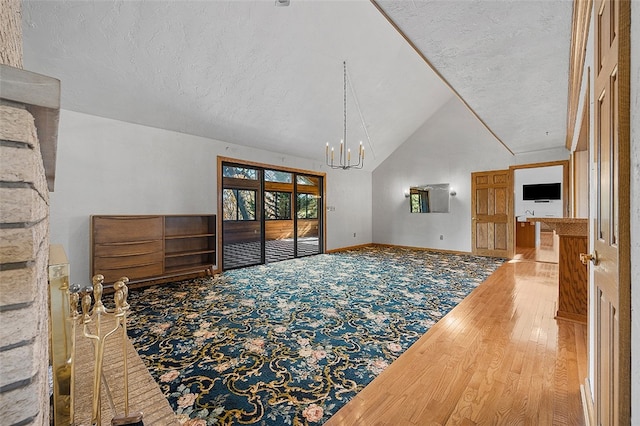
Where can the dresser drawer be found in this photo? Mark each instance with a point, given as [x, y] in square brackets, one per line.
[127, 249]
[112, 229]
[133, 273]
[114, 262]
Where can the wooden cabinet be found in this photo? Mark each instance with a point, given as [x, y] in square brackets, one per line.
[573, 298]
[573, 276]
[525, 234]
[152, 247]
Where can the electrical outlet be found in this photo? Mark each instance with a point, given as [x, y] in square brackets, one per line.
[442, 237]
[354, 235]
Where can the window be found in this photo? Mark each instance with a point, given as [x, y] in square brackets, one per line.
[307, 206]
[307, 180]
[419, 201]
[277, 176]
[239, 172]
[239, 204]
[277, 205]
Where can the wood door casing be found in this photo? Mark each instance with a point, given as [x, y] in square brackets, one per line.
[611, 289]
[491, 198]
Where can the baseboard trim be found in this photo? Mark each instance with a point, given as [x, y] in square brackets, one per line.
[397, 246]
[587, 403]
[338, 250]
[423, 248]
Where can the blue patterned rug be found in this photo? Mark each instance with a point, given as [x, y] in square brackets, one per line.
[290, 343]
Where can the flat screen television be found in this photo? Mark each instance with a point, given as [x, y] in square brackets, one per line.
[542, 191]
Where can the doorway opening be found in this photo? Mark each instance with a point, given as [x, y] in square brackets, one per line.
[539, 190]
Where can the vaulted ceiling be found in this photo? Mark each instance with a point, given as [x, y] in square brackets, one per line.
[267, 76]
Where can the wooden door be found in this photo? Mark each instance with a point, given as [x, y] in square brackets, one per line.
[611, 287]
[491, 206]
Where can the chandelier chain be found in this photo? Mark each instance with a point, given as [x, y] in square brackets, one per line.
[344, 67]
[344, 156]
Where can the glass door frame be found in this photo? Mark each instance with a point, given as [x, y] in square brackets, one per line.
[223, 161]
[319, 211]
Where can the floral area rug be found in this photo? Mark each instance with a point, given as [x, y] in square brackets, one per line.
[290, 343]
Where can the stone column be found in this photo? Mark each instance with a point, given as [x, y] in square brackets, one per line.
[24, 247]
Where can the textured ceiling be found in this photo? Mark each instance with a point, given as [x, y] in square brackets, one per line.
[509, 61]
[254, 74]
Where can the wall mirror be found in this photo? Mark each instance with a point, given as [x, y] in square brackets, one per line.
[431, 198]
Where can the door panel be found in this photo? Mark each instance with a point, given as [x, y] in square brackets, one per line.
[491, 203]
[279, 223]
[482, 236]
[308, 215]
[611, 280]
[500, 236]
[241, 217]
[482, 200]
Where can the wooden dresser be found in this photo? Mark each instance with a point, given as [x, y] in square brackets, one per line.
[152, 247]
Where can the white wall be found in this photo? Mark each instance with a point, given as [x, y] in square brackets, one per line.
[635, 214]
[349, 208]
[545, 155]
[534, 175]
[112, 167]
[446, 149]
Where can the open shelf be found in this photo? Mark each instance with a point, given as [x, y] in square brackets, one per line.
[179, 237]
[188, 253]
[188, 262]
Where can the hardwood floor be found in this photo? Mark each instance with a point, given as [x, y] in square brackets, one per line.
[499, 357]
[547, 250]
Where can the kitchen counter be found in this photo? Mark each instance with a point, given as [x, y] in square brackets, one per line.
[570, 226]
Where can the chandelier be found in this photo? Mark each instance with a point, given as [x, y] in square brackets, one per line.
[344, 157]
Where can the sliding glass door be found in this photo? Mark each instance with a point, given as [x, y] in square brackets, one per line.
[278, 218]
[308, 215]
[269, 215]
[241, 216]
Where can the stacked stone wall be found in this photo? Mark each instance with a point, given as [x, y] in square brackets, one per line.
[24, 249]
[11, 33]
